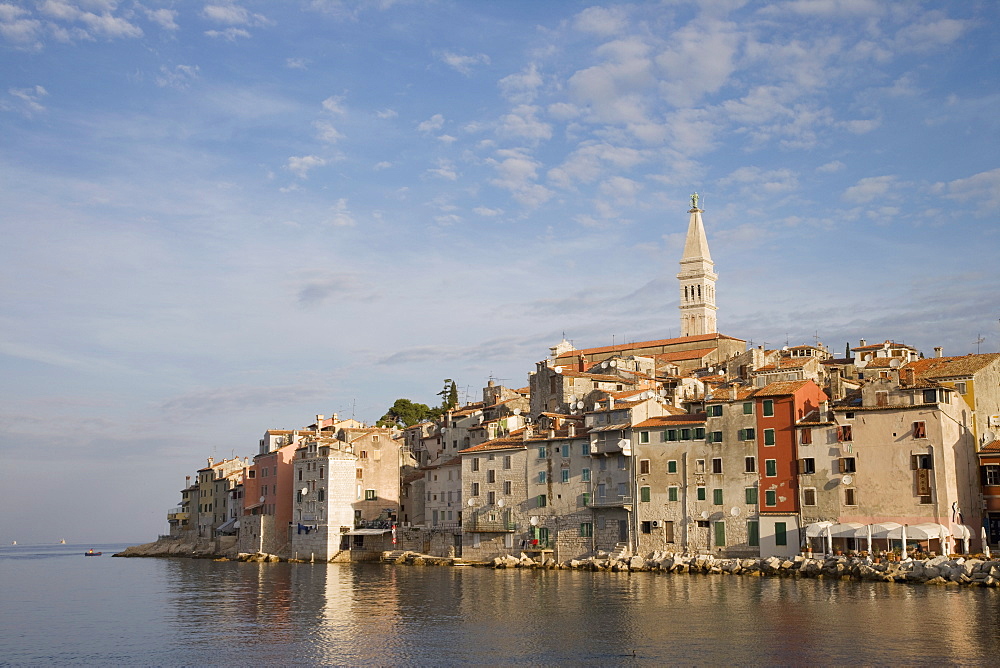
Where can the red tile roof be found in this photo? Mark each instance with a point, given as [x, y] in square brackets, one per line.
[951, 367]
[624, 347]
[781, 388]
[672, 420]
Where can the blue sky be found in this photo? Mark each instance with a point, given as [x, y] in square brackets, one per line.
[224, 217]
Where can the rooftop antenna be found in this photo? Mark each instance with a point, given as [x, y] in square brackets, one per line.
[979, 341]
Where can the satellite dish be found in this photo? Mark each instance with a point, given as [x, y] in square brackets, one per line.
[663, 393]
[470, 502]
[517, 411]
[886, 345]
[784, 348]
[305, 490]
[534, 521]
[989, 436]
[847, 480]
[262, 499]
[579, 405]
[501, 503]
[868, 357]
[861, 364]
[573, 398]
[704, 514]
[722, 372]
[894, 362]
[558, 369]
[734, 511]
[614, 363]
[604, 364]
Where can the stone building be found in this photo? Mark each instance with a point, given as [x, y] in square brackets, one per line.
[494, 490]
[697, 279]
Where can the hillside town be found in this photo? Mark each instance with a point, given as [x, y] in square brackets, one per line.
[701, 443]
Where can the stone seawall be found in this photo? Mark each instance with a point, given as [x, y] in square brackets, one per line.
[939, 570]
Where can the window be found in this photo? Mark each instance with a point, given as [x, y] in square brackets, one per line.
[751, 496]
[770, 468]
[748, 434]
[541, 477]
[715, 410]
[699, 466]
[920, 429]
[644, 494]
[770, 498]
[845, 433]
[506, 487]
[586, 529]
[768, 408]
[717, 465]
[491, 498]
[585, 499]
[622, 489]
[672, 492]
[753, 533]
[699, 433]
[602, 490]
[644, 437]
[370, 495]
[748, 408]
[960, 387]
[542, 452]
[850, 496]
[717, 497]
[643, 466]
[564, 450]
[701, 493]
[491, 476]
[685, 434]
[359, 474]
[668, 531]
[646, 527]
[475, 489]
[809, 496]
[806, 436]
[564, 475]
[506, 462]
[930, 396]
[585, 475]
[320, 473]
[807, 466]
[475, 463]
[300, 474]
[848, 465]
[585, 449]
[780, 533]
[720, 534]
[671, 434]
[603, 464]
[672, 466]
[253, 474]
[542, 501]
[768, 437]
[363, 455]
[622, 462]
[750, 464]
[715, 437]
[990, 474]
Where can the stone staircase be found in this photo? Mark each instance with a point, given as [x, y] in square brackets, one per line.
[621, 549]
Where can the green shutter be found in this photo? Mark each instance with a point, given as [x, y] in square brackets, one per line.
[768, 437]
[720, 533]
[780, 534]
[751, 495]
[753, 533]
[717, 497]
[701, 493]
[672, 466]
[644, 494]
[671, 493]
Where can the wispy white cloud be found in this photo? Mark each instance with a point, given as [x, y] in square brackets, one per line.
[522, 123]
[445, 169]
[604, 21]
[517, 172]
[982, 189]
[435, 122]
[870, 188]
[522, 87]
[297, 63]
[463, 64]
[17, 26]
[831, 167]
[301, 165]
[229, 34]
[165, 18]
[179, 77]
[231, 13]
[27, 101]
[342, 216]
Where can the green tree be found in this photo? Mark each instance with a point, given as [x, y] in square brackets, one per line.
[449, 395]
[404, 413]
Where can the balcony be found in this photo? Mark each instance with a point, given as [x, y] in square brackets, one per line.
[610, 442]
[611, 502]
[177, 514]
[485, 525]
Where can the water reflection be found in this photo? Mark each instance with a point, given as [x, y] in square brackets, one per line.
[366, 614]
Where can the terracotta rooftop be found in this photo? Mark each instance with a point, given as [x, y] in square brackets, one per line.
[514, 441]
[646, 344]
[593, 376]
[781, 388]
[951, 367]
[684, 355]
[993, 446]
[672, 420]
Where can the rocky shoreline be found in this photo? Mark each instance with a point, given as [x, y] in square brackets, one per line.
[938, 570]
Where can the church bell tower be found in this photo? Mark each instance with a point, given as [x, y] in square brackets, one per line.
[697, 280]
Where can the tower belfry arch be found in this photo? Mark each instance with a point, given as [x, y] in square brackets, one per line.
[697, 279]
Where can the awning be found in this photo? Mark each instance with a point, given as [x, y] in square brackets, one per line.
[883, 529]
[817, 529]
[253, 505]
[961, 532]
[847, 530]
[368, 532]
[920, 532]
[229, 526]
[612, 427]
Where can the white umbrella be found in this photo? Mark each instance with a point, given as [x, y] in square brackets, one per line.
[986, 545]
[903, 536]
[869, 532]
[829, 541]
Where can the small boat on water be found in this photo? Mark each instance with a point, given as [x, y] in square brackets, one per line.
[62, 542]
[91, 553]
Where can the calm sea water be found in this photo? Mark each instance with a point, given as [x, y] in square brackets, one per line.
[58, 607]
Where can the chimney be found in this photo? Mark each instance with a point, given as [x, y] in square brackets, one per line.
[938, 351]
[572, 430]
[908, 376]
[211, 460]
[187, 481]
[824, 409]
[611, 403]
[552, 433]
